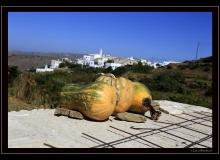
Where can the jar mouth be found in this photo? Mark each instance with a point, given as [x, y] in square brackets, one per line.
[146, 102]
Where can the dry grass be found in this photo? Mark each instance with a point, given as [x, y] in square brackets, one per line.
[15, 104]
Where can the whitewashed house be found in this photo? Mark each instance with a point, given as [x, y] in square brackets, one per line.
[91, 63]
[93, 60]
[87, 59]
[126, 61]
[80, 61]
[45, 69]
[149, 63]
[143, 61]
[55, 63]
[66, 59]
[131, 58]
[113, 65]
[99, 61]
[164, 63]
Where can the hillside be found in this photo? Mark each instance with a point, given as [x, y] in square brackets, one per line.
[28, 60]
[188, 82]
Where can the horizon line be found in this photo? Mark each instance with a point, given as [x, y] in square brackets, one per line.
[83, 53]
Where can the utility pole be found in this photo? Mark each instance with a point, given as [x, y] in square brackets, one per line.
[197, 50]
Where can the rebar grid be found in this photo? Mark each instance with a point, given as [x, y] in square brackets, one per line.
[139, 137]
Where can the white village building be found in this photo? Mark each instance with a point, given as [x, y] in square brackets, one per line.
[131, 58]
[113, 65]
[45, 69]
[53, 65]
[98, 60]
[66, 59]
[143, 61]
[90, 59]
[164, 63]
[80, 61]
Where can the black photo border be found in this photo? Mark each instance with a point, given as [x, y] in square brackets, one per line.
[4, 84]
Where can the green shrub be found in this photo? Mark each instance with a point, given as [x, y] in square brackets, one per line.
[132, 78]
[169, 67]
[206, 69]
[183, 66]
[139, 68]
[69, 65]
[150, 83]
[108, 70]
[203, 84]
[207, 59]
[38, 88]
[13, 73]
[208, 92]
[136, 68]
[190, 98]
[43, 88]
[10, 91]
[32, 69]
[193, 85]
[168, 81]
[119, 71]
[64, 64]
[194, 65]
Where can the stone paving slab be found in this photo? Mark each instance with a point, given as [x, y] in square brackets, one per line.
[31, 129]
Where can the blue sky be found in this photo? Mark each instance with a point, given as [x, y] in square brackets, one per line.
[158, 35]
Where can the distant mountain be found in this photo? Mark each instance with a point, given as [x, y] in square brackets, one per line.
[69, 54]
[27, 60]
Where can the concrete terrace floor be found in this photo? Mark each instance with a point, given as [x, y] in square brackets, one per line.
[186, 126]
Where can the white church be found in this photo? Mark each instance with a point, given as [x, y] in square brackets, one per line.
[97, 60]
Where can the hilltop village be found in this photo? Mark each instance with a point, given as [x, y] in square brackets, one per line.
[100, 60]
